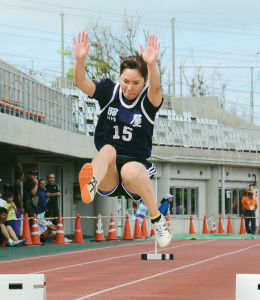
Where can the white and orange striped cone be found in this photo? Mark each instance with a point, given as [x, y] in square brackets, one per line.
[213, 225]
[112, 229]
[35, 236]
[78, 237]
[60, 238]
[99, 237]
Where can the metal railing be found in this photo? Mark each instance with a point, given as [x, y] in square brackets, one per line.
[23, 97]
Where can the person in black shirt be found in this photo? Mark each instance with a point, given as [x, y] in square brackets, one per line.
[30, 188]
[53, 192]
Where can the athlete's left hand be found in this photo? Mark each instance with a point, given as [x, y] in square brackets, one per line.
[150, 54]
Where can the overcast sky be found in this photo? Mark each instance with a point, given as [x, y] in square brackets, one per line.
[208, 33]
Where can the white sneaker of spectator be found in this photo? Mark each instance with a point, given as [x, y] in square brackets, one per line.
[67, 240]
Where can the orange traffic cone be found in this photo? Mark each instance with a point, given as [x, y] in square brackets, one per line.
[3, 244]
[59, 238]
[213, 225]
[35, 232]
[242, 226]
[144, 229]
[78, 238]
[192, 230]
[112, 229]
[229, 226]
[205, 226]
[99, 237]
[137, 232]
[220, 225]
[152, 231]
[127, 230]
[168, 220]
[26, 231]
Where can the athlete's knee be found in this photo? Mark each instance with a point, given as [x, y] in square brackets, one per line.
[131, 173]
[109, 151]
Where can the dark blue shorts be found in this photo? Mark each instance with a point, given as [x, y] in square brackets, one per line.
[119, 189]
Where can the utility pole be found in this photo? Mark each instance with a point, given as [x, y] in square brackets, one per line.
[173, 61]
[181, 81]
[62, 50]
[252, 96]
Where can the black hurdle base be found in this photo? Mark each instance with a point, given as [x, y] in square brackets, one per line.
[157, 256]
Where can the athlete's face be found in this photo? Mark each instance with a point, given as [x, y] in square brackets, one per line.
[132, 83]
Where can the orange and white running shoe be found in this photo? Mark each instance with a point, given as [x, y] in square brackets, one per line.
[87, 183]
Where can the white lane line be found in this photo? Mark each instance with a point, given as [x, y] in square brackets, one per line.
[69, 253]
[163, 273]
[115, 257]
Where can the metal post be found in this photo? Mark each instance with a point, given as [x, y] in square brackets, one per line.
[62, 50]
[122, 213]
[223, 191]
[180, 81]
[173, 61]
[252, 97]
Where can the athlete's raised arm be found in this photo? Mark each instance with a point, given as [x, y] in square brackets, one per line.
[81, 49]
[150, 55]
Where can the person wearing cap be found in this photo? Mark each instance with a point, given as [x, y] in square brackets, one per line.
[250, 205]
[164, 207]
[30, 188]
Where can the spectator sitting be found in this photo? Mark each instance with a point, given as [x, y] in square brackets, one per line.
[47, 229]
[11, 211]
[6, 231]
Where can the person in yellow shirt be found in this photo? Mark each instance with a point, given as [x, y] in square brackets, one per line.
[11, 211]
[250, 205]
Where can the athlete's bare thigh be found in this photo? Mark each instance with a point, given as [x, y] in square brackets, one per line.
[110, 180]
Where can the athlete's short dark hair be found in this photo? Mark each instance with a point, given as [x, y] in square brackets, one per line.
[134, 62]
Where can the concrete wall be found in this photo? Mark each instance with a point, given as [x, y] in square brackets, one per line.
[29, 134]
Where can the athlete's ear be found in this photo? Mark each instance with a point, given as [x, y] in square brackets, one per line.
[146, 80]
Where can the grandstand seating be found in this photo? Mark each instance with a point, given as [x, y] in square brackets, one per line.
[72, 110]
[14, 107]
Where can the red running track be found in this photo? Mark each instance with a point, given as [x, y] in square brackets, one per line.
[200, 270]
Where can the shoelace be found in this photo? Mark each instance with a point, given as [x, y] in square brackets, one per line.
[160, 228]
[93, 183]
[159, 231]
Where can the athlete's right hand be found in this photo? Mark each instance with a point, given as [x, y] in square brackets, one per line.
[81, 46]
